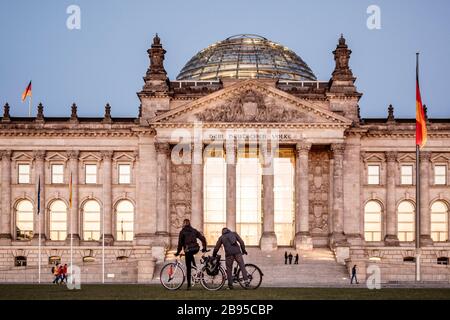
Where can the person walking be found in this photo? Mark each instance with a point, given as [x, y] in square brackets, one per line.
[55, 269]
[290, 258]
[64, 274]
[296, 259]
[285, 257]
[234, 248]
[354, 269]
[187, 240]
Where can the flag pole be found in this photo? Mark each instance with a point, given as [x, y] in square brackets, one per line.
[71, 230]
[418, 253]
[39, 220]
[29, 106]
[103, 246]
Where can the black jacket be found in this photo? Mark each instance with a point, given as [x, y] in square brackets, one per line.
[187, 239]
[232, 243]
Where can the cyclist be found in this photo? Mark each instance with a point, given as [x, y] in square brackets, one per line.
[187, 240]
[234, 247]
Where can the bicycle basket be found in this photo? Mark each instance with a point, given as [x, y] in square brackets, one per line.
[212, 265]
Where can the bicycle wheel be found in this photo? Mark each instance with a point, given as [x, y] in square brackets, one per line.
[254, 277]
[172, 276]
[213, 283]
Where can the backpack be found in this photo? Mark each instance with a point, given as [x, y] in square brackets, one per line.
[53, 269]
[212, 265]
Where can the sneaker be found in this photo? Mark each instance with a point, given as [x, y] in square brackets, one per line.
[188, 288]
[230, 287]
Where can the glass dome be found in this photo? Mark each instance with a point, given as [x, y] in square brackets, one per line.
[246, 56]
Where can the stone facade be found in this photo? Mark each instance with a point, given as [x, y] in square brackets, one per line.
[319, 121]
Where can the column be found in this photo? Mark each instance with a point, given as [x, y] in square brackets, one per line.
[162, 158]
[197, 186]
[268, 239]
[107, 196]
[74, 213]
[425, 215]
[231, 159]
[391, 238]
[303, 238]
[5, 214]
[146, 172]
[338, 195]
[39, 174]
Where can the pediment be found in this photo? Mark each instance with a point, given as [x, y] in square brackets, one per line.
[124, 157]
[90, 156]
[251, 102]
[56, 156]
[440, 158]
[22, 156]
[373, 158]
[406, 158]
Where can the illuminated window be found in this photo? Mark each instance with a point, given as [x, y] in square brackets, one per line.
[439, 221]
[58, 220]
[124, 174]
[125, 221]
[407, 175]
[24, 173]
[24, 220]
[91, 173]
[248, 197]
[284, 173]
[215, 184]
[406, 221]
[373, 172]
[91, 220]
[57, 173]
[372, 221]
[440, 175]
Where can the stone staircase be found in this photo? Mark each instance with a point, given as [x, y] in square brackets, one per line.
[316, 268]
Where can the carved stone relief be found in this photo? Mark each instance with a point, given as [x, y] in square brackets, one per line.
[180, 201]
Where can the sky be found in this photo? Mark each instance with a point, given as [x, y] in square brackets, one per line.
[104, 61]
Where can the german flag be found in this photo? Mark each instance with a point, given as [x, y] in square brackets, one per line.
[27, 92]
[421, 123]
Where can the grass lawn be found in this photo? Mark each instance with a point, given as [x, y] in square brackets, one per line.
[155, 292]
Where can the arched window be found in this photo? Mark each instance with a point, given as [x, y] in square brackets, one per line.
[372, 221]
[439, 221]
[24, 220]
[58, 220]
[406, 221]
[91, 221]
[124, 221]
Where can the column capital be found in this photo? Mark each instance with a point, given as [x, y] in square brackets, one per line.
[391, 156]
[338, 148]
[73, 154]
[39, 154]
[6, 154]
[106, 155]
[425, 155]
[303, 147]
[162, 148]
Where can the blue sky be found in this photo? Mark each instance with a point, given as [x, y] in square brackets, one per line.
[106, 59]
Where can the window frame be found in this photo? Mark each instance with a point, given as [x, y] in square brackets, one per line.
[378, 165]
[52, 173]
[86, 174]
[16, 221]
[83, 221]
[22, 164]
[445, 174]
[51, 221]
[119, 175]
[380, 222]
[406, 165]
[117, 213]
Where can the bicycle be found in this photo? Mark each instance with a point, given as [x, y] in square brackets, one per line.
[172, 276]
[254, 275]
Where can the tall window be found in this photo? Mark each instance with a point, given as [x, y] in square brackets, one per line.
[24, 173]
[91, 220]
[215, 187]
[440, 175]
[58, 220]
[125, 221]
[372, 221]
[439, 221]
[24, 220]
[91, 173]
[57, 173]
[407, 175]
[284, 197]
[124, 174]
[373, 172]
[248, 197]
[406, 221]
